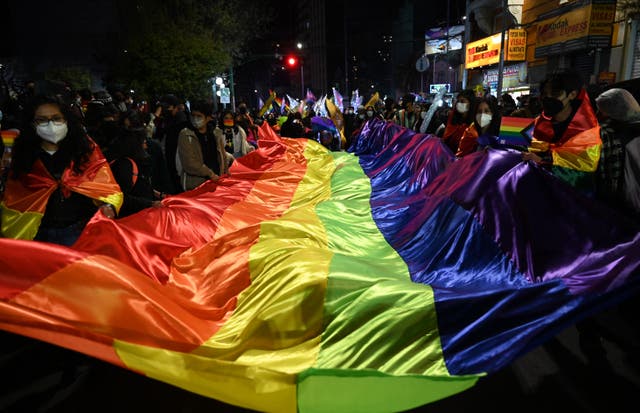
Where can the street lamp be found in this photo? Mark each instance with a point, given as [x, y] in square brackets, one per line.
[299, 46]
[219, 85]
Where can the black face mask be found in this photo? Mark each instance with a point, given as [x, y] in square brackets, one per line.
[551, 106]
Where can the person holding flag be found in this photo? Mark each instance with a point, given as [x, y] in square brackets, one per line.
[58, 178]
[566, 136]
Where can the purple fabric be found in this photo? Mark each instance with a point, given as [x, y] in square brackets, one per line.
[513, 254]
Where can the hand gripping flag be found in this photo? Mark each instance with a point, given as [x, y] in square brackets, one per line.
[375, 280]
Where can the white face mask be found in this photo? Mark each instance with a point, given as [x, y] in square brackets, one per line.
[197, 122]
[51, 132]
[361, 115]
[369, 113]
[423, 114]
[483, 119]
[462, 107]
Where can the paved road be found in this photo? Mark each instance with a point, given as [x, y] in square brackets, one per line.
[560, 377]
[556, 377]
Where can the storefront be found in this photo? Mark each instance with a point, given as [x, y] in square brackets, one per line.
[577, 35]
[514, 79]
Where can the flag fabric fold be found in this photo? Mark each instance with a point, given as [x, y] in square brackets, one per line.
[337, 99]
[356, 99]
[379, 279]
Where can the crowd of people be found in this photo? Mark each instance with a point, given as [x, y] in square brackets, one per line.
[102, 151]
[77, 153]
[81, 154]
[591, 141]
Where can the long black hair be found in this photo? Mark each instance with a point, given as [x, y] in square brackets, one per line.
[76, 146]
[496, 115]
[227, 113]
[130, 143]
[468, 117]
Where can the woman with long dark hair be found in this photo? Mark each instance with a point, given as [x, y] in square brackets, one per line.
[485, 124]
[131, 168]
[460, 117]
[58, 177]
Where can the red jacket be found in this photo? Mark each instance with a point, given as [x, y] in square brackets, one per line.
[453, 133]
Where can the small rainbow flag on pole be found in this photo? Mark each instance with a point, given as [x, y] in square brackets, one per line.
[8, 136]
[516, 131]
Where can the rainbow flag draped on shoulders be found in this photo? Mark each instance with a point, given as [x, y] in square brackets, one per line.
[577, 152]
[25, 199]
[379, 279]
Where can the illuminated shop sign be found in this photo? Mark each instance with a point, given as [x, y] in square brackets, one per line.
[487, 51]
[578, 27]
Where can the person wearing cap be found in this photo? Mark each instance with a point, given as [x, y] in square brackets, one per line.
[618, 175]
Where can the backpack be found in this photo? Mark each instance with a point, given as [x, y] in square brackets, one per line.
[134, 167]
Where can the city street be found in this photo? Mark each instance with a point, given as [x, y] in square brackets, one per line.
[553, 377]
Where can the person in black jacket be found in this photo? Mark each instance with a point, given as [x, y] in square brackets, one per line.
[171, 121]
[130, 167]
[293, 127]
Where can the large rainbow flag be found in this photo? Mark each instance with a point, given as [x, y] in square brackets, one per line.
[377, 279]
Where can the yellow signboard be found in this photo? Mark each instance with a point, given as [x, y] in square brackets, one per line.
[516, 45]
[483, 52]
[602, 16]
[487, 51]
[568, 26]
[575, 26]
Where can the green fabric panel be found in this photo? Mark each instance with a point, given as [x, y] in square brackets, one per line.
[583, 181]
[367, 391]
[375, 317]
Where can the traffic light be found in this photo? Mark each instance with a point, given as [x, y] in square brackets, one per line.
[292, 61]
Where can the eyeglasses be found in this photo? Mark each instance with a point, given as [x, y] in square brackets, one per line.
[57, 120]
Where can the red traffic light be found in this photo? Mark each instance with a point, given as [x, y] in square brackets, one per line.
[292, 61]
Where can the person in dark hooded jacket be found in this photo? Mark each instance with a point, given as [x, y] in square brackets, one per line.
[618, 175]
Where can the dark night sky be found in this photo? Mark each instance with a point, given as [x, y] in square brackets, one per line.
[61, 27]
[74, 26]
[68, 30]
